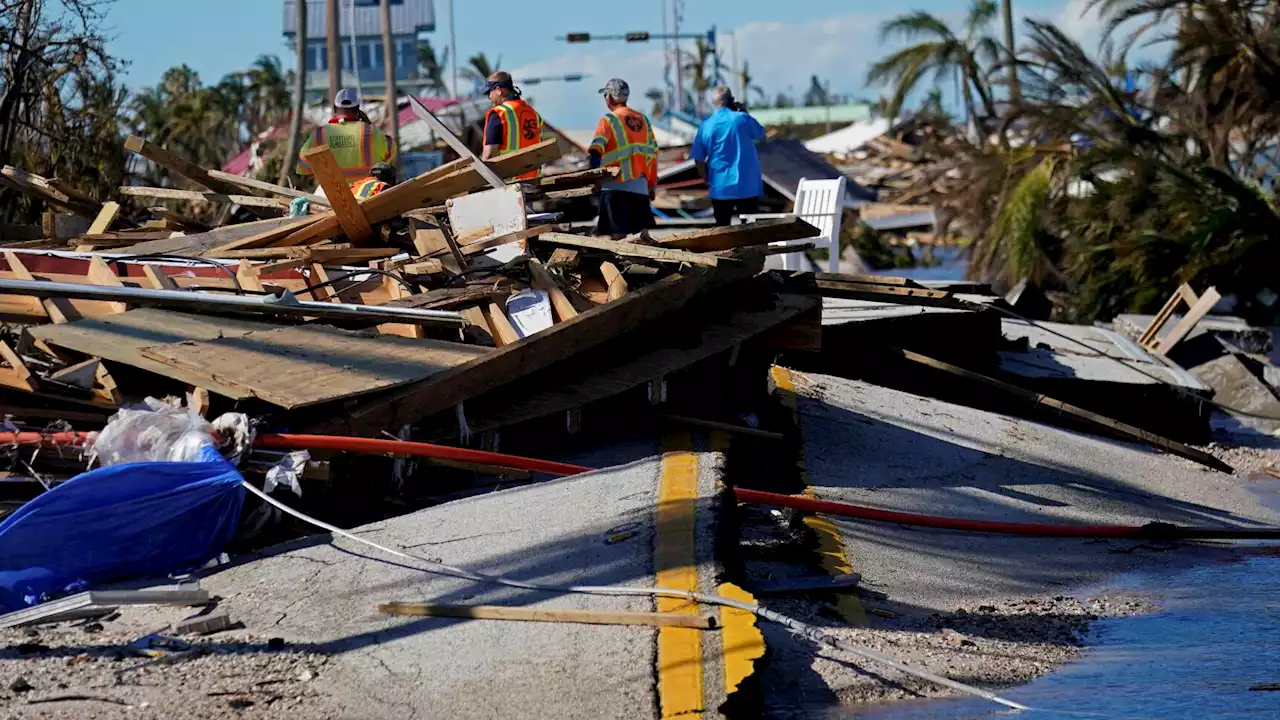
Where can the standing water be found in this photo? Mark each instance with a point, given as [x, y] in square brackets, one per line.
[1213, 637]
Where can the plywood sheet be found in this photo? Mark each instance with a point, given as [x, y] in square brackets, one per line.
[299, 366]
[119, 338]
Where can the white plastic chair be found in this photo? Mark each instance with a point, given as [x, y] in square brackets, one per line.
[821, 204]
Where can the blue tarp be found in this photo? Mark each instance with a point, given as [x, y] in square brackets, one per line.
[131, 520]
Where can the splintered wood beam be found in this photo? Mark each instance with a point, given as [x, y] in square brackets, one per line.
[158, 279]
[253, 184]
[504, 333]
[58, 310]
[102, 223]
[247, 276]
[761, 232]
[631, 249]
[101, 274]
[476, 248]
[187, 169]
[42, 188]
[543, 280]
[429, 189]
[179, 219]
[249, 201]
[329, 174]
[614, 280]
[475, 317]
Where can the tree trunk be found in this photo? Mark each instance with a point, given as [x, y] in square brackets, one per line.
[335, 50]
[1011, 57]
[299, 96]
[391, 108]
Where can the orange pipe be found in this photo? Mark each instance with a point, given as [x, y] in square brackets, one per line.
[416, 449]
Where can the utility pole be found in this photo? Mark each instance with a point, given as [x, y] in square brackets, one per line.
[391, 108]
[335, 49]
[453, 47]
[355, 57]
[1011, 57]
[299, 92]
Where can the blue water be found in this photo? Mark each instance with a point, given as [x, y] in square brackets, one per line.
[952, 266]
[1214, 635]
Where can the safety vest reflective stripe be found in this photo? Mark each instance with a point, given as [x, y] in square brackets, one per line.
[511, 139]
[625, 149]
[366, 145]
[367, 188]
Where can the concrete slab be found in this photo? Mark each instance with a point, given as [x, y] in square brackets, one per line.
[959, 336]
[594, 529]
[888, 449]
[1234, 330]
[1109, 374]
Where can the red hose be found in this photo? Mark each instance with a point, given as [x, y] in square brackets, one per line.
[1150, 530]
[35, 438]
[400, 447]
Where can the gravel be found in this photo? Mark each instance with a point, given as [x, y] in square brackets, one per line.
[992, 645]
[87, 670]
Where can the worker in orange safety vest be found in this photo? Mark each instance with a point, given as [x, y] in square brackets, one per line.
[624, 139]
[357, 144]
[511, 124]
[381, 177]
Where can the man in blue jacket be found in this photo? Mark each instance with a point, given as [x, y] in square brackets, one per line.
[725, 153]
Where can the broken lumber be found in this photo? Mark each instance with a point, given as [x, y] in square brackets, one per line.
[42, 188]
[102, 223]
[631, 249]
[428, 189]
[195, 195]
[613, 279]
[590, 617]
[345, 206]
[478, 247]
[543, 280]
[762, 232]
[187, 169]
[254, 184]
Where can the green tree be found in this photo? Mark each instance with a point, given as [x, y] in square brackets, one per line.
[432, 68]
[479, 68]
[962, 57]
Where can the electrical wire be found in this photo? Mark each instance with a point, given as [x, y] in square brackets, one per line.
[1180, 390]
[795, 626]
[363, 271]
[225, 267]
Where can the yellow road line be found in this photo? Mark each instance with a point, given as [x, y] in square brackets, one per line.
[742, 643]
[680, 692]
[831, 548]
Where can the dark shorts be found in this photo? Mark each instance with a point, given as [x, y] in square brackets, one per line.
[725, 210]
[623, 213]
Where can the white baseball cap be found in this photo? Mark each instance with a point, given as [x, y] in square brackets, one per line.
[346, 98]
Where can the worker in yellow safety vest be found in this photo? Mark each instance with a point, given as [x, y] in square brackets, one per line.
[624, 139]
[381, 177]
[511, 124]
[357, 144]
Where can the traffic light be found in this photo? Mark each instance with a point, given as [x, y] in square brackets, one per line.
[637, 37]
[578, 37]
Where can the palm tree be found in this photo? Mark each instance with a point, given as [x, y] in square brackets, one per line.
[1011, 57]
[299, 99]
[431, 68]
[746, 86]
[268, 96]
[478, 68]
[959, 56]
[818, 94]
[701, 75]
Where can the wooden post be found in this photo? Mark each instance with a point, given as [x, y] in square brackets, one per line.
[345, 206]
[392, 108]
[335, 51]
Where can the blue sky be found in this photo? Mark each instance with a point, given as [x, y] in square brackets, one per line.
[784, 43]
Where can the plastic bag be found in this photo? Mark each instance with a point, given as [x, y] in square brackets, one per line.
[157, 432]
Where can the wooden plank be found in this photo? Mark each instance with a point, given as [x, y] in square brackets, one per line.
[55, 310]
[877, 293]
[100, 274]
[579, 382]
[631, 249]
[40, 187]
[762, 232]
[229, 236]
[16, 375]
[614, 280]
[868, 279]
[178, 164]
[563, 259]
[506, 364]
[157, 278]
[504, 333]
[589, 617]
[249, 201]
[430, 188]
[578, 178]
[476, 248]
[253, 184]
[543, 280]
[297, 367]
[1189, 321]
[102, 223]
[475, 317]
[345, 206]
[247, 276]
[1106, 424]
[118, 338]
[280, 253]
